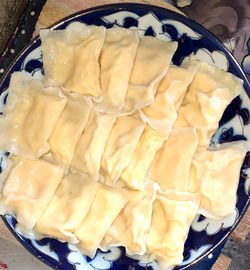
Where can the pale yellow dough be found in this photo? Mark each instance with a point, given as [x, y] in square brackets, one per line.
[30, 115]
[68, 207]
[131, 227]
[117, 59]
[71, 57]
[162, 113]
[89, 150]
[173, 213]
[105, 208]
[151, 64]
[28, 189]
[68, 129]
[210, 92]
[172, 163]
[215, 175]
[121, 146]
[134, 174]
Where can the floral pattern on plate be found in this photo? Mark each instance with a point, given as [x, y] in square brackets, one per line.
[205, 234]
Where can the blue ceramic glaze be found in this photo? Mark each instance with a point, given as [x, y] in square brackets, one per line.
[206, 237]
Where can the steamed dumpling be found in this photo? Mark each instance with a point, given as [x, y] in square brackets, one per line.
[89, 150]
[30, 116]
[173, 213]
[131, 227]
[162, 113]
[120, 147]
[28, 188]
[172, 163]
[68, 207]
[134, 174]
[106, 206]
[117, 59]
[151, 64]
[70, 58]
[68, 129]
[211, 90]
[215, 175]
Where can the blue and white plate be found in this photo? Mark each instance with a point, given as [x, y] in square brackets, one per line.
[206, 236]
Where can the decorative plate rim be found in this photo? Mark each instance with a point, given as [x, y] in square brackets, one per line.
[150, 8]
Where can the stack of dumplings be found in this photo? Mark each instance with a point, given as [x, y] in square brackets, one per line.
[110, 147]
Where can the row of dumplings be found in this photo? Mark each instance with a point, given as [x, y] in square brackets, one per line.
[114, 141]
[116, 68]
[151, 224]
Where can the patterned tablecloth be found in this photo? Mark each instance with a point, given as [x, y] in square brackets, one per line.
[229, 20]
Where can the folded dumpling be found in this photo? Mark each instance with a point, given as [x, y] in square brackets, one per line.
[106, 206]
[210, 92]
[131, 227]
[121, 146]
[117, 59]
[134, 174]
[162, 113]
[151, 64]
[68, 129]
[89, 150]
[173, 213]
[28, 189]
[172, 163]
[30, 116]
[215, 175]
[68, 207]
[71, 58]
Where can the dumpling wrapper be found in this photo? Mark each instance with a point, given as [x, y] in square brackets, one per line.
[131, 227]
[173, 213]
[151, 63]
[215, 175]
[210, 92]
[68, 207]
[117, 59]
[134, 174]
[25, 192]
[162, 113]
[89, 150]
[30, 115]
[120, 147]
[105, 208]
[68, 129]
[71, 58]
[172, 163]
